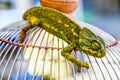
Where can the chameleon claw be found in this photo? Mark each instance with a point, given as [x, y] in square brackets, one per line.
[83, 64]
[78, 68]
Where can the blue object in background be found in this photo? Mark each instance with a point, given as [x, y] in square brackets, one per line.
[104, 14]
[22, 75]
[29, 77]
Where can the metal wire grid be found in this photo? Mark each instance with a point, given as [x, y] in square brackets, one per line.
[27, 63]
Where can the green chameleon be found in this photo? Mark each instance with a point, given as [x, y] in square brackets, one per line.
[56, 23]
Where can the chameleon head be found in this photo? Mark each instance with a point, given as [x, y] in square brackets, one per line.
[91, 44]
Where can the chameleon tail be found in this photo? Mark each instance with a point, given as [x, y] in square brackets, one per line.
[33, 21]
[23, 32]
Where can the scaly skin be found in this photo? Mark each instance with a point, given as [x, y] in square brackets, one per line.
[58, 24]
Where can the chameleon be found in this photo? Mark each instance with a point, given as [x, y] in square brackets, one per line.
[78, 39]
[61, 26]
[58, 24]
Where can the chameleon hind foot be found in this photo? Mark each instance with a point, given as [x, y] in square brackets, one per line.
[82, 64]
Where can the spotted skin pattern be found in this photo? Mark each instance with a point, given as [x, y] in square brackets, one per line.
[58, 24]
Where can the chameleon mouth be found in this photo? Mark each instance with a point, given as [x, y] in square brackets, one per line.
[98, 53]
[94, 48]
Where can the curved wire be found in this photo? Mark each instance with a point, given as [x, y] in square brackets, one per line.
[33, 46]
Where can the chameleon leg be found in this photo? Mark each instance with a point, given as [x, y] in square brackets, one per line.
[66, 53]
[23, 32]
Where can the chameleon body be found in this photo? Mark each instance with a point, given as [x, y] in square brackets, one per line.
[56, 23]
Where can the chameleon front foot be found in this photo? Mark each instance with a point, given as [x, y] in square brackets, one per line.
[82, 64]
[66, 52]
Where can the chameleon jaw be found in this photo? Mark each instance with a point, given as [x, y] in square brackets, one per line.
[98, 54]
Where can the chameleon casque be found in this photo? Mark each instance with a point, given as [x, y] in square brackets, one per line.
[56, 23]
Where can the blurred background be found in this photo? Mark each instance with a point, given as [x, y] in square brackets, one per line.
[104, 14]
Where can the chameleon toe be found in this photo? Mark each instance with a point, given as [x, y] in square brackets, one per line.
[84, 64]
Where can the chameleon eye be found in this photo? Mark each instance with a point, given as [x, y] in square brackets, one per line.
[95, 44]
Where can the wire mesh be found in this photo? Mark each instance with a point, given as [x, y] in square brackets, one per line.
[28, 63]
